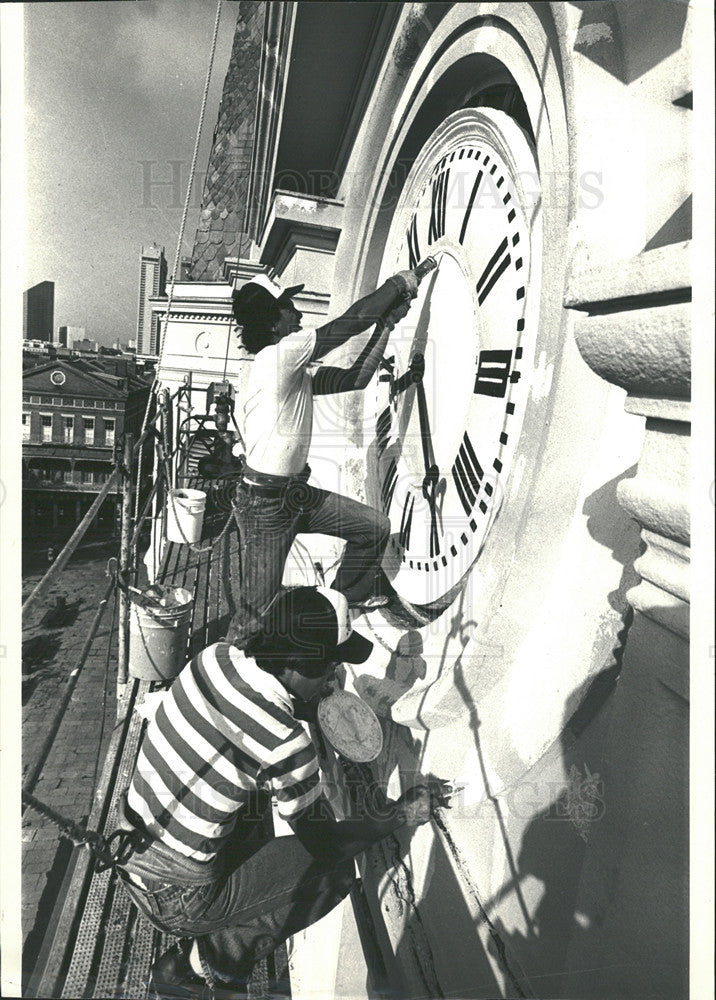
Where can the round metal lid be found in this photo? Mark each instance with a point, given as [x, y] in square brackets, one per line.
[350, 726]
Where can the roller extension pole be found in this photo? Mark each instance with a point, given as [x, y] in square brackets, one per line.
[124, 564]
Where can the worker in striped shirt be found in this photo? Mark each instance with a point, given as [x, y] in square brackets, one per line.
[224, 739]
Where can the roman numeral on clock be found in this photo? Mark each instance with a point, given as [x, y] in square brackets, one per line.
[382, 430]
[495, 268]
[470, 203]
[493, 373]
[388, 489]
[413, 245]
[467, 474]
[406, 521]
[439, 189]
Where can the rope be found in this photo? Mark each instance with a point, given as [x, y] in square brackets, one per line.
[80, 836]
[180, 241]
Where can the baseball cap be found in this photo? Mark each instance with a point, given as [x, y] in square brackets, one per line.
[313, 623]
[260, 296]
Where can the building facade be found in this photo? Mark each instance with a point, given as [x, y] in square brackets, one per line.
[39, 311]
[541, 153]
[74, 415]
[152, 281]
[67, 336]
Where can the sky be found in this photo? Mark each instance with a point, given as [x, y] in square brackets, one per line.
[112, 99]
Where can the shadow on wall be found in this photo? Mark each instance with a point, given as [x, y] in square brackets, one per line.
[442, 938]
[608, 525]
[554, 842]
[630, 39]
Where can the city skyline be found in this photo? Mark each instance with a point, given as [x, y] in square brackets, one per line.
[108, 144]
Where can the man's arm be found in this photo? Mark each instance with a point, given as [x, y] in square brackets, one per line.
[331, 379]
[328, 839]
[365, 312]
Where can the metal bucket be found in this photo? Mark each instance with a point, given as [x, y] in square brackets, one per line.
[185, 515]
[158, 638]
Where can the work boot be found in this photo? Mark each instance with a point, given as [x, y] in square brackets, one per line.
[172, 977]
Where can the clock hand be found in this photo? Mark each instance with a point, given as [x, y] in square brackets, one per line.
[414, 374]
[425, 437]
[433, 486]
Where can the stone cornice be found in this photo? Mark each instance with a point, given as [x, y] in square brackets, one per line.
[650, 275]
[221, 315]
[634, 320]
[632, 327]
[646, 351]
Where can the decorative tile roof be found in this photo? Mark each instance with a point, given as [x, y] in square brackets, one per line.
[220, 230]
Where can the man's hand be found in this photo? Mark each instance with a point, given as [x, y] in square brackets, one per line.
[418, 803]
[398, 312]
[407, 282]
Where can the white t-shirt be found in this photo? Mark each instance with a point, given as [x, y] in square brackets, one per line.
[276, 403]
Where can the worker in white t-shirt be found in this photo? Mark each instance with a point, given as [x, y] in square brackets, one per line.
[274, 501]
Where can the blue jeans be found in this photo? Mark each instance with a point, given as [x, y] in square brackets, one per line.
[268, 521]
[240, 907]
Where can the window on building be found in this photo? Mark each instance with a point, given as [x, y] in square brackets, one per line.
[46, 426]
[108, 431]
[26, 427]
[68, 426]
[88, 427]
[67, 475]
[87, 476]
[34, 399]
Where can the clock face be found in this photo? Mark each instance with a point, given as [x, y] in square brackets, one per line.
[452, 388]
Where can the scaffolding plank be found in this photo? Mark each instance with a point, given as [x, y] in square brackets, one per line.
[114, 945]
[116, 927]
[144, 945]
[92, 928]
[47, 978]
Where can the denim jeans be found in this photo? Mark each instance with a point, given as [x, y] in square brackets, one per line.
[242, 907]
[268, 523]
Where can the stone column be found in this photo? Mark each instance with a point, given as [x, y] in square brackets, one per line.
[633, 329]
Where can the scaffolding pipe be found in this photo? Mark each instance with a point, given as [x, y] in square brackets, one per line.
[124, 562]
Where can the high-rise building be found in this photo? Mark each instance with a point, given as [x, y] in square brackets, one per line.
[152, 282]
[67, 336]
[38, 313]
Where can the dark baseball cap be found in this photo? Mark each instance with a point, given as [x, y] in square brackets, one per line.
[312, 623]
[258, 298]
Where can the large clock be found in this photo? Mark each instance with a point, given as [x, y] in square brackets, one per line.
[451, 393]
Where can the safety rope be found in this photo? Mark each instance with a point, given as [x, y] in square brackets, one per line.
[180, 241]
[102, 847]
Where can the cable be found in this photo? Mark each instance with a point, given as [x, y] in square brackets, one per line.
[180, 240]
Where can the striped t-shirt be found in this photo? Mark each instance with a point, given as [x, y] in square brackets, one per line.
[224, 729]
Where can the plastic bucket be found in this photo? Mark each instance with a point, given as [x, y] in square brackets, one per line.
[185, 515]
[158, 639]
